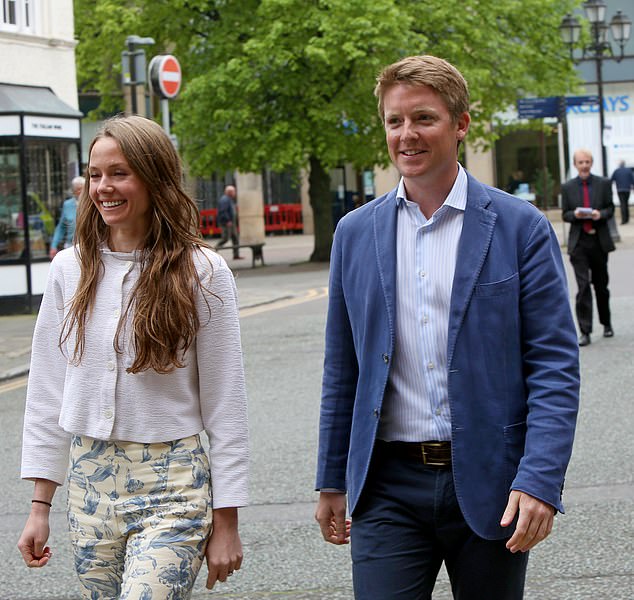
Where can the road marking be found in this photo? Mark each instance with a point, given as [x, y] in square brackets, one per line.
[309, 296]
[314, 294]
[14, 384]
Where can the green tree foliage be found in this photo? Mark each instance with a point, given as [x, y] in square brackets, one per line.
[288, 83]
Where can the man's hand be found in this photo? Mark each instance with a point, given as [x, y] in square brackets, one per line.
[331, 516]
[534, 524]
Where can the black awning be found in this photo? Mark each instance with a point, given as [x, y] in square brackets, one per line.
[33, 100]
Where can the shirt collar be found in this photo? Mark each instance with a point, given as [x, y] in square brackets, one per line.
[457, 197]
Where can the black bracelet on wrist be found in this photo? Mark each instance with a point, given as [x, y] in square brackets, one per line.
[43, 502]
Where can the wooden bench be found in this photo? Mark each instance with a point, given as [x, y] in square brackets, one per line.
[256, 251]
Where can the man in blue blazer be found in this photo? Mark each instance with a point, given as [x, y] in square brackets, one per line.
[451, 380]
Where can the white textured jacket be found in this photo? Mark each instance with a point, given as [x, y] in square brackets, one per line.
[99, 399]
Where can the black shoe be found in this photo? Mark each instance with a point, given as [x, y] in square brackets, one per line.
[584, 339]
[608, 331]
[238, 258]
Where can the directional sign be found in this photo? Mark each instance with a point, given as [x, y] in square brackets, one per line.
[165, 76]
[538, 108]
[581, 100]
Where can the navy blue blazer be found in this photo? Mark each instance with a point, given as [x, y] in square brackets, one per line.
[512, 354]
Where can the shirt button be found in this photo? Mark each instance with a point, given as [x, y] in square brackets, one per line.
[438, 411]
[422, 273]
[430, 365]
[386, 358]
[425, 319]
[117, 313]
[107, 413]
[110, 365]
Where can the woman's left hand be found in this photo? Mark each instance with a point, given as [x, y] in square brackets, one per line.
[224, 550]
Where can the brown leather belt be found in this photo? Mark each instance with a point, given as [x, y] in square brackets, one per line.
[432, 454]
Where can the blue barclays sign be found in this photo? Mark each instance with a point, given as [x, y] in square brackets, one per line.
[614, 104]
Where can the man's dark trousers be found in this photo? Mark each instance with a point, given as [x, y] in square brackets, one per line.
[624, 199]
[229, 231]
[590, 264]
[407, 523]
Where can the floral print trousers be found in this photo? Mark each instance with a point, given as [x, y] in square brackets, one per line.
[139, 517]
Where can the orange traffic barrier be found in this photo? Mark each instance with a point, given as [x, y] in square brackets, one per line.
[285, 218]
[207, 222]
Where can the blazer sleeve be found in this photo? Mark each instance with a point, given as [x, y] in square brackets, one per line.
[551, 368]
[568, 202]
[607, 206]
[341, 371]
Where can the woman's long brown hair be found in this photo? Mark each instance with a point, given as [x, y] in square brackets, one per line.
[162, 305]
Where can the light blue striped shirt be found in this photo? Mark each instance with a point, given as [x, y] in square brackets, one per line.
[416, 406]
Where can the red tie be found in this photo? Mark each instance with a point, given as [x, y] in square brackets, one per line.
[587, 224]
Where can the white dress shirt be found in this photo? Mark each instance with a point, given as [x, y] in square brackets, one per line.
[99, 399]
[416, 407]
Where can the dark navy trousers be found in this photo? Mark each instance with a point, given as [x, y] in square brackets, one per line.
[407, 523]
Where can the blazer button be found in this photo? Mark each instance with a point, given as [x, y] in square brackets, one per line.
[376, 413]
[386, 358]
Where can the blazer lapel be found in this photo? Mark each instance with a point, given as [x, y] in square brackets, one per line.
[595, 192]
[384, 224]
[477, 231]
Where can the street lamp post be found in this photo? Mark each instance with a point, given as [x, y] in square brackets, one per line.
[599, 49]
[134, 69]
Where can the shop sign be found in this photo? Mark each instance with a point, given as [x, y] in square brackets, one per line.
[55, 127]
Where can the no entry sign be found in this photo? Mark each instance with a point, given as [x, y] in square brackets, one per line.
[165, 76]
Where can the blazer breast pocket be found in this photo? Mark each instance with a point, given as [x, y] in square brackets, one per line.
[505, 287]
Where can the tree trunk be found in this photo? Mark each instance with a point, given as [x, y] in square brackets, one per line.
[321, 203]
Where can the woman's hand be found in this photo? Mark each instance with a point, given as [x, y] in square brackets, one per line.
[224, 550]
[32, 542]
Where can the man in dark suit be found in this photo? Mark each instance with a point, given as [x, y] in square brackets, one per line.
[623, 177]
[587, 205]
[450, 386]
[227, 219]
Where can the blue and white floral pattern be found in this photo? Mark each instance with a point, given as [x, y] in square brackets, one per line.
[139, 517]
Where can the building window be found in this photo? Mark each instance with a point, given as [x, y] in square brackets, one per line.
[280, 188]
[17, 15]
[49, 169]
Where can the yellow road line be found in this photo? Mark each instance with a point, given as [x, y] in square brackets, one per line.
[13, 384]
[313, 294]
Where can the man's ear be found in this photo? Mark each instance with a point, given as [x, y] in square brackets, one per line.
[463, 126]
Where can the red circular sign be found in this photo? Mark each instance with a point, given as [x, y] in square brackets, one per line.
[165, 75]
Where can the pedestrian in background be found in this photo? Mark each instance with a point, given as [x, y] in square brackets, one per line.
[227, 219]
[136, 351]
[65, 229]
[451, 381]
[586, 202]
[624, 181]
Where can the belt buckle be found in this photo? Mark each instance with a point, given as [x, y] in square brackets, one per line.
[430, 461]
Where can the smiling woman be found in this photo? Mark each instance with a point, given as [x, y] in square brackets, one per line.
[137, 310]
[120, 196]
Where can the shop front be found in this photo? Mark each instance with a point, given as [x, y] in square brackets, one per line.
[39, 156]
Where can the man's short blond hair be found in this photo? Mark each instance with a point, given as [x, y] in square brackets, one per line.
[428, 70]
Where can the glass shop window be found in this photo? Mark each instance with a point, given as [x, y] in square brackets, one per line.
[50, 167]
